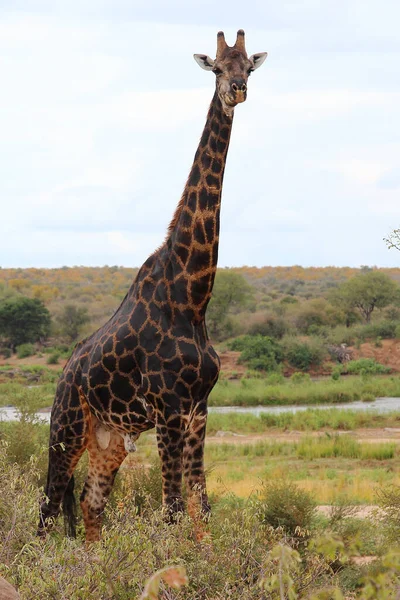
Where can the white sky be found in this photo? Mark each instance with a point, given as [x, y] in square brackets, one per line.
[102, 107]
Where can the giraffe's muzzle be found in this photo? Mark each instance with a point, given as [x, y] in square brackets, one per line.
[237, 92]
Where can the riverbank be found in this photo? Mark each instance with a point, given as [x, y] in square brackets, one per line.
[259, 392]
[34, 387]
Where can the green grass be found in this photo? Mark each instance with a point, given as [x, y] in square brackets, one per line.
[246, 392]
[343, 446]
[18, 394]
[256, 392]
[309, 448]
[29, 369]
[311, 419]
[137, 541]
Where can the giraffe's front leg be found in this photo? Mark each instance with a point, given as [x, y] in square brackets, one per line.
[104, 462]
[169, 427]
[193, 464]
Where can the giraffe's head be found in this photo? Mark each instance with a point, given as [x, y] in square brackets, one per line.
[232, 68]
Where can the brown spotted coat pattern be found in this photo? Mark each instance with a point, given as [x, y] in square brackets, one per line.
[152, 364]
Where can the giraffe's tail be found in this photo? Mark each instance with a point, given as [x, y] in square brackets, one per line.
[69, 509]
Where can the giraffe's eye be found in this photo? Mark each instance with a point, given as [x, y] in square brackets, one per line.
[217, 71]
[249, 72]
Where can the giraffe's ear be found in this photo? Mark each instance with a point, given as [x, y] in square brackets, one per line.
[258, 59]
[204, 61]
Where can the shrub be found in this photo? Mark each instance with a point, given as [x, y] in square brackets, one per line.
[343, 335]
[52, 359]
[6, 352]
[274, 379]
[385, 330]
[316, 313]
[366, 366]
[25, 350]
[261, 353]
[336, 373]
[319, 330]
[289, 300]
[388, 500]
[392, 313]
[303, 355]
[274, 327]
[144, 485]
[283, 504]
[72, 319]
[240, 343]
[299, 378]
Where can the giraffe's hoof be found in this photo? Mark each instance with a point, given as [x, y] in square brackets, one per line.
[173, 510]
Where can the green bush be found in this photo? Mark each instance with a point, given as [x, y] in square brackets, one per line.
[283, 504]
[303, 355]
[343, 335]
[367, 366]
[316, 313]
[385, 330]
[261, 353]
[318, 330]
[274, 327]
[52, 359]
[6, 353]
[25, 350]
[289, 300]
[144, 485]
[274, 379]
[240, 343]
[336, 373]
[299, 378]
[388, 500]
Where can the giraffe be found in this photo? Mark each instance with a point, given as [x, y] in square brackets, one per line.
[152, 364]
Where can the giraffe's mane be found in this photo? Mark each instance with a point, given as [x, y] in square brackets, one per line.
[181, 203]
[177, 214]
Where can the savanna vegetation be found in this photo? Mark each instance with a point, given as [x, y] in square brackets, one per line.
[268, 541]
[268, 475]
[280, 319]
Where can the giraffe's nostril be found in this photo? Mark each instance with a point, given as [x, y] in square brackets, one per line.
[238, 86]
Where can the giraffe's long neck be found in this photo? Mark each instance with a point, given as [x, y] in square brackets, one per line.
[194, 230]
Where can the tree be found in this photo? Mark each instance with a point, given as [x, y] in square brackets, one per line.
[71, 320]
[231, 292]
[365, 292]
[393, 241]
[23, 320]
[317, 313]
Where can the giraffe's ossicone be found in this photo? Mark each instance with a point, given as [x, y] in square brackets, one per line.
[152, 364]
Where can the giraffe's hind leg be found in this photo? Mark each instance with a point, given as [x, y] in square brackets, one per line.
[69, 431]
[106, 453]
[169, 429]
[193, 465]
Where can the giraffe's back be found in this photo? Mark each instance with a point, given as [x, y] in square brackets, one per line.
[150, 354]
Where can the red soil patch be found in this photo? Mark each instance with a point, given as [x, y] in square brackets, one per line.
[388, 354]
[230, 365]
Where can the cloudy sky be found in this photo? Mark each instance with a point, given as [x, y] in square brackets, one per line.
[102, 107]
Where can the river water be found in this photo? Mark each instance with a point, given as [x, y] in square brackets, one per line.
[379, 406]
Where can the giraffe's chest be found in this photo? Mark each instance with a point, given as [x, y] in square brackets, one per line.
[185, 370]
